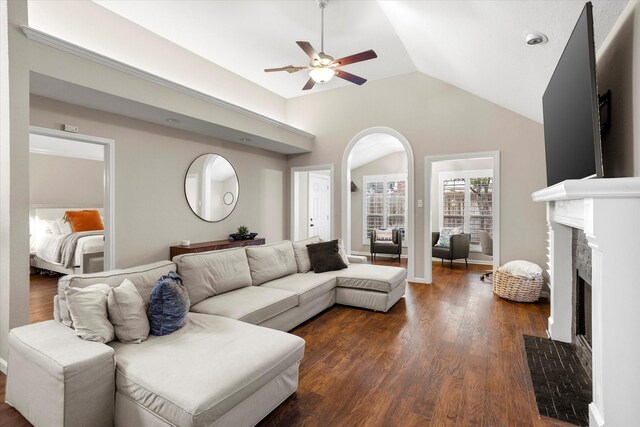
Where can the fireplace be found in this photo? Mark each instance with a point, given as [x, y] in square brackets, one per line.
[607, 210]
[582, 335]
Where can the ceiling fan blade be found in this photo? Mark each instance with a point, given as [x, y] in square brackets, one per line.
[350, 77]
[309, 50]
[358, 57]
[289, 69]
[309, 85]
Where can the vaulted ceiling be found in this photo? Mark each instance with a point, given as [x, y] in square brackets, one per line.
[478, 46]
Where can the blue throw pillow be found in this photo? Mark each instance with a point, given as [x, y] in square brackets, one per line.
[445, 236]
[168, 305]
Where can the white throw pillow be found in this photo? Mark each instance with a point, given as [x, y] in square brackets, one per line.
[384, 235]
[88, 309]
[521, 268]
[64, 226]
[343, 252]
[302, 254]
[127, 313]
[49, 226]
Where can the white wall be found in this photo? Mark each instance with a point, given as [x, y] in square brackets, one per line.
[76, 22]
[390, 164]
[436, 118]
[65, 181]
[302, 200]
[271, 209]
[14, 174]
[151, 211]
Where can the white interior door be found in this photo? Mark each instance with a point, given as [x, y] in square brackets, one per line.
[319, 205]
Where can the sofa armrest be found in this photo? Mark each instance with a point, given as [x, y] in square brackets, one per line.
[357, 259]
[57, 378]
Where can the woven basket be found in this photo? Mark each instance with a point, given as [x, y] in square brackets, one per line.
[517, 288]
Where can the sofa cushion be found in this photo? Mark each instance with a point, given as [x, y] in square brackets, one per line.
[207, 274]
[168, 305]
[252, 304]
[127, 313]
[269, 262]
[88, 309]
[307, 286]
[367, 276]
[302, 253]
[143, 278]
[215, 362]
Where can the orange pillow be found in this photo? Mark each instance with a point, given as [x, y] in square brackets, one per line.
[87, 220]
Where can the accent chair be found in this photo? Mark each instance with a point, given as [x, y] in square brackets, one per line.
[394, 247]
[458, 248]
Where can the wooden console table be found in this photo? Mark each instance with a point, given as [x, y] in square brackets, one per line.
[212, 246]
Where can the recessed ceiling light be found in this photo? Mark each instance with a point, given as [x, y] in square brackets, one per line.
[170, 120]
[536, 38]
[245, 139]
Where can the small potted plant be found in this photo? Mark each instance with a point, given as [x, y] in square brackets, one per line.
[243, 232]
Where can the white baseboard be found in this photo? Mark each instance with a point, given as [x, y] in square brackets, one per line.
[3, 366]
[417, 280]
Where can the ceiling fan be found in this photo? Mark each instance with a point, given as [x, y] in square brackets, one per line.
[322, 66]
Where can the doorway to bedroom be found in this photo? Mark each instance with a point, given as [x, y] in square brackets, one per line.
[70, 210]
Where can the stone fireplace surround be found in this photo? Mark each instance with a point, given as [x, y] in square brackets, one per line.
[581, 259]
[608, 211]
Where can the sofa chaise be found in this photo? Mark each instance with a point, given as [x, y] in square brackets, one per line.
[229, 365]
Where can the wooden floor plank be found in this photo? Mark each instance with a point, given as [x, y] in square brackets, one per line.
[449, 353]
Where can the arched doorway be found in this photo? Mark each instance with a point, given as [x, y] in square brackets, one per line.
[347, 159]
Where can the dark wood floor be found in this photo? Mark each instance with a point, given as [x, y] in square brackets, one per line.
[448, 354]
[43, 289]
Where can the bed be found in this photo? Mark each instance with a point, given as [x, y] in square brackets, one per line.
[55, 248]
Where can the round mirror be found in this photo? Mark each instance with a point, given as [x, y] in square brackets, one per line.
[228, 198]
[211, 187]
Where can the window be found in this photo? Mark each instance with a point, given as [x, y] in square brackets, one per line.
[384, 203]
[466, 200]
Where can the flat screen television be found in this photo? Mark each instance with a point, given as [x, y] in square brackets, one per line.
[571, 110]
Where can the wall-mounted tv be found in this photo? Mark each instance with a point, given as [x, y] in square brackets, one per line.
[570, 109]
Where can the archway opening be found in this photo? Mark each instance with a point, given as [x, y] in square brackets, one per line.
[378, 193]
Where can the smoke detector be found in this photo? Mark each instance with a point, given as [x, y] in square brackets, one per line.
[536, 38]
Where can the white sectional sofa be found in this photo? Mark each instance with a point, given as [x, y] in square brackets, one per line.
[229, 365]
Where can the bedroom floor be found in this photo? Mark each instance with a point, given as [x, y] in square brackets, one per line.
[450, 353]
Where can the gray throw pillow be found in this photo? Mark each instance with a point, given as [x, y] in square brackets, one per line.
[168, 305]
[325, 256]
[127, 313]
[302, 254]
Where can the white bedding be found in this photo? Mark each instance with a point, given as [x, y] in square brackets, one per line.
[46, 245]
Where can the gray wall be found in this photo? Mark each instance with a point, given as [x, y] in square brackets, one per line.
[618, 69]
[151, 161]
[391, 164]
[436, 118]
[64, 181]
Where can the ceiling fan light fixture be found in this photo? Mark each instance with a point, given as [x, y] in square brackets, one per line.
[321, 74]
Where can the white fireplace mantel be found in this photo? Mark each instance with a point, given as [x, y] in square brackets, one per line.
[608, 210]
